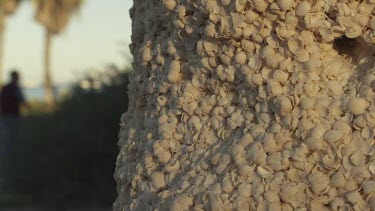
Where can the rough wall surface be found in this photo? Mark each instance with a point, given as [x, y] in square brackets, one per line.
[249, 105]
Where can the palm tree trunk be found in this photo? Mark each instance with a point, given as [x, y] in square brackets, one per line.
[48, 89]
[2, 31]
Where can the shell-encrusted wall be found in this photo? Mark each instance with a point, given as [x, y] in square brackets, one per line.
[250, 105]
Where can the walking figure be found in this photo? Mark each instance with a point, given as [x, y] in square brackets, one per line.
[11, 98]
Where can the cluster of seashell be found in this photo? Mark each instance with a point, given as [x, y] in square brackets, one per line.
[250, 105]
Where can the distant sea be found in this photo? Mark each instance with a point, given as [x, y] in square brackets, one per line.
[37, 93]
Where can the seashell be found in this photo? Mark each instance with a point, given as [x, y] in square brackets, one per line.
[307, 103]
[301, 55]
[280, 76]
[162, 155]
[318, 182]
[227, 73]
[275, 128]
[365, 9]
[303, 8]
[325, 34]
[293, 175]
[359, 122]
[285, 4]
[274, 6]
[353, 31]
[209, 181]
[213, 62]
[264, 171]
[286, 106]
[147, 55]
[291, 21]
[170, 4]
[174, 71]
[225, 2]
[371, 167]
[357, 106]
[342, 126]
[237, 150]
[335, 87]
[294, 44]
[331, 163]
[257, 38]
[337, 180]
[157, 180]
[363, 20]
[239, 5]
[284, 33]
[307, 38]
[314, 143]
[269, 143]
[286, 207]
[257, 153]
[332, 136]
[300, 153]
[260, 5]
[371, 23]
[354, 197]
[357, 158]
[173, 166]
[245, 171]
[267, 52]
[346, 163]
[246, 70]
[194, 190]
[210, 46]
[227, 185]
[244, 189]
[257, 189]
[371, 202]
[337, 203]
[251, 15]
[225, 59]
[288, 191]
[255, 132]
[318, 131]
[350, 185]
[367, 132]
[248, 46]
[313, 21]
[271, 197]
[242, 203]
[255, 63]
[240, 57]
[181, 10]
[178, 24]
[210, 30]
[278, 161]
[181, 202]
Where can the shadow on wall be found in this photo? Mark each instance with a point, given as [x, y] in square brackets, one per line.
[66, 158]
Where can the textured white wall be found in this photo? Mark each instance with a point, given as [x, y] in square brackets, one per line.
[249, 105]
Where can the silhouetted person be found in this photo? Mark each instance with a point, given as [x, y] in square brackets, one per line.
[11, 98]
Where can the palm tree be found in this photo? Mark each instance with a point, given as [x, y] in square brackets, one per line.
[7, 7]
[54, 15]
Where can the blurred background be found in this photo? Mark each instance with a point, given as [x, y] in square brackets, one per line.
[74, 61]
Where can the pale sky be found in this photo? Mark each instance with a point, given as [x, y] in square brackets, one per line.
[97, 36]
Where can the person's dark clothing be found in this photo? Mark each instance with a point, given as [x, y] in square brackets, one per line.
[10, 100]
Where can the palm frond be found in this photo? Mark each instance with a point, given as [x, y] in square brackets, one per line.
[8, 7]
[55, 14]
